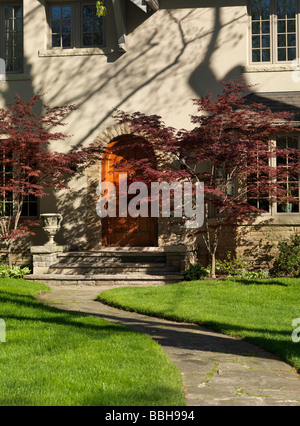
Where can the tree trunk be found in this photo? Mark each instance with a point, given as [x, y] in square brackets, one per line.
[9, 256]
[213, 264]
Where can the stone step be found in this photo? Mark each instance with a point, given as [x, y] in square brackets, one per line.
[107, 266]
[98, 280]
[111, 268]
[114, 256]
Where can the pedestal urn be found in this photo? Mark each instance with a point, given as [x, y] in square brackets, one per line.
[51, 224]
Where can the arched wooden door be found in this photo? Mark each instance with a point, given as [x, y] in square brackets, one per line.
[126, 231]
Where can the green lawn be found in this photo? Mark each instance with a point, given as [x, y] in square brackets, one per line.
[261, 311]
[54, 357]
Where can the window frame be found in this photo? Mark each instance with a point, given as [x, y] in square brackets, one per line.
[273, 212]
[274, 163]
[2, 34]
[11, 201]
[76, 25]
[273, 36]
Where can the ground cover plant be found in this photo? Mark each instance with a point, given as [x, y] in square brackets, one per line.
[260, 311]
[287, 262]
[52, 357]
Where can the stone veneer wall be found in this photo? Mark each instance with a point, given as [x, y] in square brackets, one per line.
[258, 243]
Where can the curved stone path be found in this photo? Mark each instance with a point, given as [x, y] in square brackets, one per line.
[217, 370]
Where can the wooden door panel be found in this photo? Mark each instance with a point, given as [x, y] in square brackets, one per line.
[125, 231]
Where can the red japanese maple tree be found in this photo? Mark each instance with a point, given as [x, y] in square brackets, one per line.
[28, 167]
[230, 151]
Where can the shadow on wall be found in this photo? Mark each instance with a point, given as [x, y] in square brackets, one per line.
[161, 72]
[151, 76]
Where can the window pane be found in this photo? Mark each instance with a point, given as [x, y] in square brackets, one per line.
[255, 28]
[13, 38]
[282, 40]
[55, 40]
[87, 12]
[292, 54]
[66, 12]
[291, 40]
[265, 27]
[281, 26]
[33, 209]
[264, 205]
[256, 42]
[88, 39]
[56, 12]
[265, 41]
[292, 143]
[87, 25]
[291, 26]
[92, 27]
[266, 57]
[56, 28]
[66, 27]
[61, 26]
[255, 56]
[281, 54]
[66, 40]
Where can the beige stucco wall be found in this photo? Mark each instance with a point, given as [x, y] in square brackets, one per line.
[174, 55]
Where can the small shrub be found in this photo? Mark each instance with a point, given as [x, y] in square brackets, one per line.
[239, 268]
[195, 272]
[262, 274]
[14, 272]
[232, 266]
[287, 263]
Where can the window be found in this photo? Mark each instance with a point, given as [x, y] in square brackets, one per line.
[257, 187]
[274, 31]
[8, 200]
[290, 182]
[287, 171]
[75, 25]
[11, 44]
[61, 26]
[30, 206]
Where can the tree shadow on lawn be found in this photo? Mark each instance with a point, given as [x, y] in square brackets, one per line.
[180, 335]
[39, 312]
[249, 281]
[192, 336]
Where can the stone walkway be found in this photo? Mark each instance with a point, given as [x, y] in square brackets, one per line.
[217, 370]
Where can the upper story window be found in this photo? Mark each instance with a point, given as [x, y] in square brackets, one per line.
[75, 25]
[11, 36]
[274, 31]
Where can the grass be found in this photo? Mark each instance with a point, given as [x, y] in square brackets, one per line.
[53, 357]
[260, 311]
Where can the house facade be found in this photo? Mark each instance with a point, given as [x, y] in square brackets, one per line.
[152, 56]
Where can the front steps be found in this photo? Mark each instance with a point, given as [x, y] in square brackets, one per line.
[110, 266]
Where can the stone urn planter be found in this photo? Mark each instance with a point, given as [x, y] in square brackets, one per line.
[51, 225]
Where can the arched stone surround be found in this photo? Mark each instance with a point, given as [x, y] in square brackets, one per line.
[166, 235]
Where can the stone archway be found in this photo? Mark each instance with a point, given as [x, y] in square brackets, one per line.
[96, 228]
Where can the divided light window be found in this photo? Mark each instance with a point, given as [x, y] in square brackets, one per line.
[75, 25]
[11, 36]
[290, 183]
[274, 30]
[7, 200]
